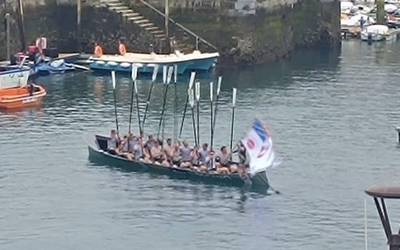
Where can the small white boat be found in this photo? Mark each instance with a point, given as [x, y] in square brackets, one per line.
[375, 33]
[195, 61]
[355, 21]
[14, 76]
[345, 7]
[390, 8]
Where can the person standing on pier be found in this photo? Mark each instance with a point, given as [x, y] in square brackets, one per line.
[98, 51]
[122, 47]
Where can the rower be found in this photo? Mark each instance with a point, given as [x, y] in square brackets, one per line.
[176, 157]
[138, 150]
[98, 51]
[122, 47]
[113, 142]
[157, 153]
[223, 161]
[169, 149]
[203, 154]
[124, 149]
[225, 156]
[186, 155]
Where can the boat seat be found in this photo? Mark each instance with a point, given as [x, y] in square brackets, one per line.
[102, 142]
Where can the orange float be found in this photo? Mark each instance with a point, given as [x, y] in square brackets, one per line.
[17, 98]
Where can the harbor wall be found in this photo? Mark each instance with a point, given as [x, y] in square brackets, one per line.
[244, 31]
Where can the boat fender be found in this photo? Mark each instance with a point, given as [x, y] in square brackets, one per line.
[125, 65]
[112, 63]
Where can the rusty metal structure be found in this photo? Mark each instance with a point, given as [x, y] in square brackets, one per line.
[379, 194]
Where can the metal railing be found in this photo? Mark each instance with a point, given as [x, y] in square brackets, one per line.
[180, 26]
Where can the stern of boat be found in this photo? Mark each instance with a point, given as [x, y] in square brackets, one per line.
[260, 181]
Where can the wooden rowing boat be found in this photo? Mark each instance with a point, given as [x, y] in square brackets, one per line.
[98, 154]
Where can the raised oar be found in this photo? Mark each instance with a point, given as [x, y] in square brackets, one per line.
[191, 81]
[216, 101]
[137, 100]
[198, 110]
[233, 117]
[191, 102]
[211, 113]
[115, 99]
[175, 101]
[134, 76]
[153, 79]
[168, 80]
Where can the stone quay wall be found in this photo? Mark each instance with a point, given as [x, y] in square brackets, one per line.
[244, 31]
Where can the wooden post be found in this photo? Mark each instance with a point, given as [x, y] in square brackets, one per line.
[78, 23]
[7, 17]
[380, 11]
[21, 25]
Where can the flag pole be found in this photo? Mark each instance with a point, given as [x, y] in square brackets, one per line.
[211, 114]
[191, 102]
[233, 117]
[153, 79]
[191, 81]
[115, 99]
[133, 76]
[198, 111]
[167, 80]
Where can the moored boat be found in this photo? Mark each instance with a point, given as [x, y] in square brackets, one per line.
[13, 76]
[53, 67]
[99, 154]
[22, 97]
[375, 33]
[195, 61]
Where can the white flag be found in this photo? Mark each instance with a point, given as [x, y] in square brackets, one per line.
[258, 143]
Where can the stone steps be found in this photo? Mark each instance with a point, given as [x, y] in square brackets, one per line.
[141, 20]
[151, 28]
[130, 14]
[136, 18]
[157, 32]
[143, 25]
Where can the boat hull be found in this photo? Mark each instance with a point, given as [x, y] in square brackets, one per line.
[259, 182]
[18, 98]
[372, 37]
[183, 62]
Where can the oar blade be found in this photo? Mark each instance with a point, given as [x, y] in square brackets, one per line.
[211, 91]
[165, 69]
[134, 72]
[219, 85]
[191, 97]
[234, 97]
[191, 81]
[155, 72]
[175, 73]
[113, 79]
[170, 72]
[197, 86]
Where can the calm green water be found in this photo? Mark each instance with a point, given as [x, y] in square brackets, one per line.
[332, 115]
